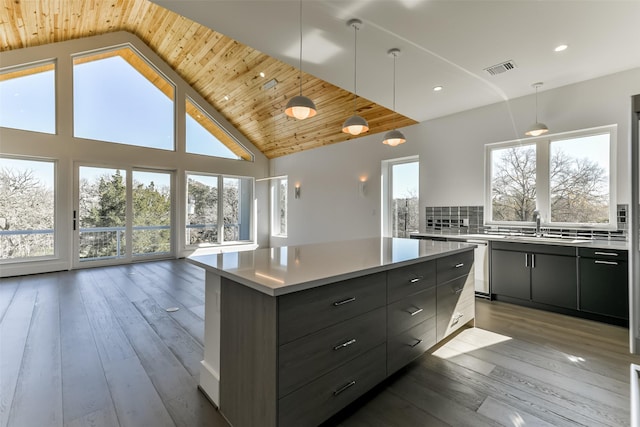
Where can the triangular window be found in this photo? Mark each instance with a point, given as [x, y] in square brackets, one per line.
[204, 136]
[119, 97]
[28, 98]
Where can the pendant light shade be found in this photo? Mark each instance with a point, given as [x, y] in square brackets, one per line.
[394, 137]
[538, 128]
[355, 125]
[300, 106]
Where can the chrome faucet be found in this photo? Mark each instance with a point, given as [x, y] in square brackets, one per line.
[536, 218]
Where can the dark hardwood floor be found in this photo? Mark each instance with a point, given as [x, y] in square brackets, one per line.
[97, 347]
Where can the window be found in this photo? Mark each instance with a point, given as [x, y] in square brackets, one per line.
[204, 136]
[27, 214]
[566, 177]
[279, 207]
[151, 196]
[400, 196]
[27, 98]
[205, 208]
[119, 97]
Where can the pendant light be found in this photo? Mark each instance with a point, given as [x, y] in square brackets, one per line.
[300, 106]
[538, 128]
[394, 137]
[355, 125]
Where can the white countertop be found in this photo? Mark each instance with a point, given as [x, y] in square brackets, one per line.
[278, 271]
[582, 243]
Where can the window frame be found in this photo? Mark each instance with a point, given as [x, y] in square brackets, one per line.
[275, 206]
[543, 178]
[80, 56]
[220, 210]
[387, 191]
[56, 206]
[31, 68]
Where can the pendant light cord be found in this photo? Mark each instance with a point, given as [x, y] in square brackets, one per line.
[355, 69]
[394, 81]
[536, 103]
[300, 63]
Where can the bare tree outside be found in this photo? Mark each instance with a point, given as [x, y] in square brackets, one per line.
[578, 190]
[26, 214]
[513, 186]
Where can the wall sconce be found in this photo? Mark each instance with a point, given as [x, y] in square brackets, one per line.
[362, 187]
[296, 192]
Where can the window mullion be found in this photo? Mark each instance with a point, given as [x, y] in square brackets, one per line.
[220, 209]
[543, 180]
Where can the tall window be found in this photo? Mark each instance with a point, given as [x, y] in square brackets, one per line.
[279, 207]
[218, 209]
[27, 215]
[27, 98]
[401, 196]
[119, 97]
[565, 177]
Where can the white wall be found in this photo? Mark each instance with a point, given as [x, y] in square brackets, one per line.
[68, 150]
[451, 151]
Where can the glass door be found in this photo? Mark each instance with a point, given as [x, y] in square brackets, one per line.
[121, 214]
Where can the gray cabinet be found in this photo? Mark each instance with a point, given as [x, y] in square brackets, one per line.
[297, 359]
[543, 274]
[604, 282]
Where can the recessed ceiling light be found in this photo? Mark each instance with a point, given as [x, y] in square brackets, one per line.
[437, 88]
[261, 74]
[561, 47]
[226, 97]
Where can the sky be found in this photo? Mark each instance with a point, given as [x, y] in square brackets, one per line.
[112, 102]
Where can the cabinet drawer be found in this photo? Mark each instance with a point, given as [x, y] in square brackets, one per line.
[455, 305]
[409, 280]
[305, 312]
[409, 311]
[322, 398]
[454, 266]
[604, 254]
[311, 356]
[411, 344]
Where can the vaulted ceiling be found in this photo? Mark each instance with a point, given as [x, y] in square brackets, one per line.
[225, 72]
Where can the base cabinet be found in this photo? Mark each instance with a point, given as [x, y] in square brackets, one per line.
[604, 278]
[297, 359]
[584, 282]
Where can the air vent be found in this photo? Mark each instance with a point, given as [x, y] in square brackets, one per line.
[501, 68]
[268, 85]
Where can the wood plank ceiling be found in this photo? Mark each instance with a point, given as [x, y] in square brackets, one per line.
[218, 67]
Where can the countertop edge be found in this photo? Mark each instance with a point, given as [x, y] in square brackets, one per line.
[295, 287]
[596, 244]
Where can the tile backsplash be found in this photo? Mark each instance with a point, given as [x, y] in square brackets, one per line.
[470, 220]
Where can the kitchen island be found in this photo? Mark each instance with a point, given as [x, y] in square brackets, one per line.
[294, 334]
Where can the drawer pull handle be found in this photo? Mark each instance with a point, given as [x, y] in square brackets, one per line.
[417, 279]
[345, 344]
[344, 301]
[344, 387]
[456, 318]
[605, 262]
[458, 291]
[413, 313]
[460, 265]
[415, 343]
[606, 253]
